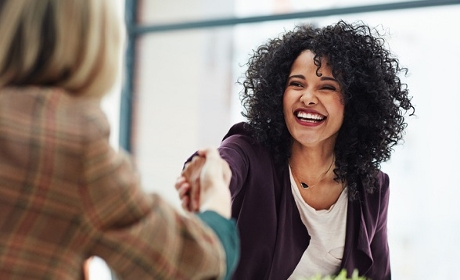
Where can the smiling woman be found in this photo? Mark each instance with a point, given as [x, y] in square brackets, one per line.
[324, 107]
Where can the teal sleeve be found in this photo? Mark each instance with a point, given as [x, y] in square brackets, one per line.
[227, 232]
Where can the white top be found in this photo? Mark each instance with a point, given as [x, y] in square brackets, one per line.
[327, 229]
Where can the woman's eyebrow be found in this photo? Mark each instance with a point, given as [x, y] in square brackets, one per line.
[297, 76]
[326, 78]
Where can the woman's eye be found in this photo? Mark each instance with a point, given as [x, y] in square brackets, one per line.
[328, 88]
[295, 84]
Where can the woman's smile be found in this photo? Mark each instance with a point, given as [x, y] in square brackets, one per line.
[309, 117]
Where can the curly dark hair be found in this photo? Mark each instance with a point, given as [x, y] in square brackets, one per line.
[375, 99]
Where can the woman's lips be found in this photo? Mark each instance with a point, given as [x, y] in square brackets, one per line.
[309, 117]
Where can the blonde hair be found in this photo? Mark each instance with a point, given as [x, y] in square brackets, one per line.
[72, 44]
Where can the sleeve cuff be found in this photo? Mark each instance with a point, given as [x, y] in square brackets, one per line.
[227, 232]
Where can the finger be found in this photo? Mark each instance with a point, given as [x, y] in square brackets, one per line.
[195, 196]
[188, 164]
[185, 203]
[190, 169]
[192, 173]
[179, 181]
[184, 190]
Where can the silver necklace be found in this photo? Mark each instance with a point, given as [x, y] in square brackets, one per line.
[306, 186]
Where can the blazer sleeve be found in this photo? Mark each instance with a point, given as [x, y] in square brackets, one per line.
[234, 150]
[230, 241]
[141, 236]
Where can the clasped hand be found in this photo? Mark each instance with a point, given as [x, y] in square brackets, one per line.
[204, 183]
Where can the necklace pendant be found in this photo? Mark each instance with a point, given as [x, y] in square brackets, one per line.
[305, 186]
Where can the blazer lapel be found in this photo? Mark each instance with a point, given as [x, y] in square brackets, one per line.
[357, 252]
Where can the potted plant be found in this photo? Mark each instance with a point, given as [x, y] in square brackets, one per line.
[341, 276]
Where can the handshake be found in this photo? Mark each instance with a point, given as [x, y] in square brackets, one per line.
[204, 184]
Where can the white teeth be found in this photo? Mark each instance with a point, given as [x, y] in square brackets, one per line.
[310, 116]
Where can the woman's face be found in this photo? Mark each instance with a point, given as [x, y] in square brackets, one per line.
[313, 107]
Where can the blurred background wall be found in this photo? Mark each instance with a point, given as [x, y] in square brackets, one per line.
[182, 95]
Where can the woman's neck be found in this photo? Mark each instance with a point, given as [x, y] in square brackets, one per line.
[311, 160]
[313, 173]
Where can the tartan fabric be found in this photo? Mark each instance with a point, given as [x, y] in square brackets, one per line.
[65, 195]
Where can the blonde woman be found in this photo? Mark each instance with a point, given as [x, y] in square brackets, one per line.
[65, 194]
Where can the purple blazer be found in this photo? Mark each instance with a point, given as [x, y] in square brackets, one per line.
[273, 237]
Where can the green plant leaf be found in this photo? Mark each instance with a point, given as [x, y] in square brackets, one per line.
[341, 276]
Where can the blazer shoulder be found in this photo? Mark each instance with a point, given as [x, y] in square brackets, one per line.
[85, 115]
[240, 137]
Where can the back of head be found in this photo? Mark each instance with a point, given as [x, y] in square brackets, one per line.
[72, 44]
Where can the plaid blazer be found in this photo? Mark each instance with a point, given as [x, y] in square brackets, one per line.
[65, 195]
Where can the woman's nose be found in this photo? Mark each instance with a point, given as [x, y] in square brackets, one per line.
[308, 98]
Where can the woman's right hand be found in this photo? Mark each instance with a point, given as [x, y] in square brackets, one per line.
[204, 183]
